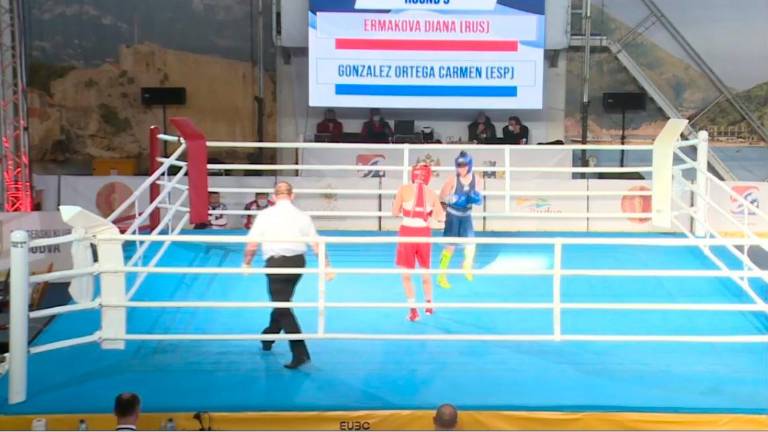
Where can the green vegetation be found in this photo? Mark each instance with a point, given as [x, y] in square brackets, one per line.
[111, 118]
[42, 74]
[725, 115]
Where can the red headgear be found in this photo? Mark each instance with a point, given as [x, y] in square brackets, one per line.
[421, 173]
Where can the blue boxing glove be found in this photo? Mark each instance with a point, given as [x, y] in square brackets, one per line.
[475, 198]
[459, 201]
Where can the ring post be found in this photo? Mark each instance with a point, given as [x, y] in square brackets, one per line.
[663, 158]
[110, 255]
[19, 319]
[556, 305]
[197, 163]
[745, 233]
[154, 165]
[702, 184]
[321, 263]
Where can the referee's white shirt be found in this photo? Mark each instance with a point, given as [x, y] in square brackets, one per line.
[282, 220]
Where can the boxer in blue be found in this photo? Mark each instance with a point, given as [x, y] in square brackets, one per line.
[459, 194]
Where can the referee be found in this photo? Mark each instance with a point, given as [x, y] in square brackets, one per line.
[283, 220]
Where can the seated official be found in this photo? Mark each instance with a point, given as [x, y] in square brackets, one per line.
[261, 202]
[481, 130]
[515, 132]
[376, 129]
[215, 221]
[428, 136]
[331, 126]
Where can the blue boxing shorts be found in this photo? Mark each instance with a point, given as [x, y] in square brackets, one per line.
[458, 226]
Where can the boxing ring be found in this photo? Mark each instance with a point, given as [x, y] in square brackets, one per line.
[557, 331]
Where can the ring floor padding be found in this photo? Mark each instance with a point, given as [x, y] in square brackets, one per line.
[190, 376]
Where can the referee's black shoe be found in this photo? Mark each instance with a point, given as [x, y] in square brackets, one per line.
[297, 362]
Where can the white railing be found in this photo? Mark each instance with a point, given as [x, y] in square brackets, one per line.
[21, 278]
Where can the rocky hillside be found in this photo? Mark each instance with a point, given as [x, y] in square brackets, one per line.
[96, 112]
[89, 32]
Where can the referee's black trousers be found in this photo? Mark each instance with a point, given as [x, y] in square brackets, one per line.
[281, 288]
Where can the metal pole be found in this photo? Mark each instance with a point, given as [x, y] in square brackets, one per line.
[19, 320]
[702, 184]
[322, 260]
[261, 48]
[260, 104]
[21, 101]
[623, 133]
[586, 78]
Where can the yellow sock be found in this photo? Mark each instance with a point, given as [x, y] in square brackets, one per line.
[469, 259]
[445, 261]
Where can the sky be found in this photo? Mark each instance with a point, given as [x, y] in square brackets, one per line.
[731, 35]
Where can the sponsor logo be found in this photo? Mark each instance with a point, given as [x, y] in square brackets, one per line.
[431, 161]
[371, 160]
[637, 204]
[330, 198]
[492, 174]
[750, 194]
[110, 197]
[536, 205]
[354, 425]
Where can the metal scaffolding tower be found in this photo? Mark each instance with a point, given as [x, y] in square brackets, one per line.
[617, 48]
[713, 77]
[17, 177]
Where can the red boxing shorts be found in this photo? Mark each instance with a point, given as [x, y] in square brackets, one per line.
[410, 253]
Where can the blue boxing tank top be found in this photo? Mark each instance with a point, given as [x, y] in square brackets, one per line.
[462, 189]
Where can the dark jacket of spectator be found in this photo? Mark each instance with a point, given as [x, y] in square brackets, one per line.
[515, 132]
[481, 130]
[331, 126]
[376, 129]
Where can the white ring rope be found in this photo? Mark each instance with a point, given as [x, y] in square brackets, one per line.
[371, 146]
[176, 216]
[299, 167]
[557, 272]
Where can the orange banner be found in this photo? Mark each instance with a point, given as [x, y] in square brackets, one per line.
[410, 420]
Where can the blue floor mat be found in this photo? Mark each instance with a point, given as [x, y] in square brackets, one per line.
[397, 375]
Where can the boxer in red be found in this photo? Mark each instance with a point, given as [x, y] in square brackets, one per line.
[416, 203]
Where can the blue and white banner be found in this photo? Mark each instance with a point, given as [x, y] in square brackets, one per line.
[485, 54]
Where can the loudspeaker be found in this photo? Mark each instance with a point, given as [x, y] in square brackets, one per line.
[617, 102]
[163, 96]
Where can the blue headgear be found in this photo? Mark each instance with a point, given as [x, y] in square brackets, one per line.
[464, 158]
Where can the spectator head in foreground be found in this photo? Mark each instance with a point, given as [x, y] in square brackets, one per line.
[127, 409]
[446, 417]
